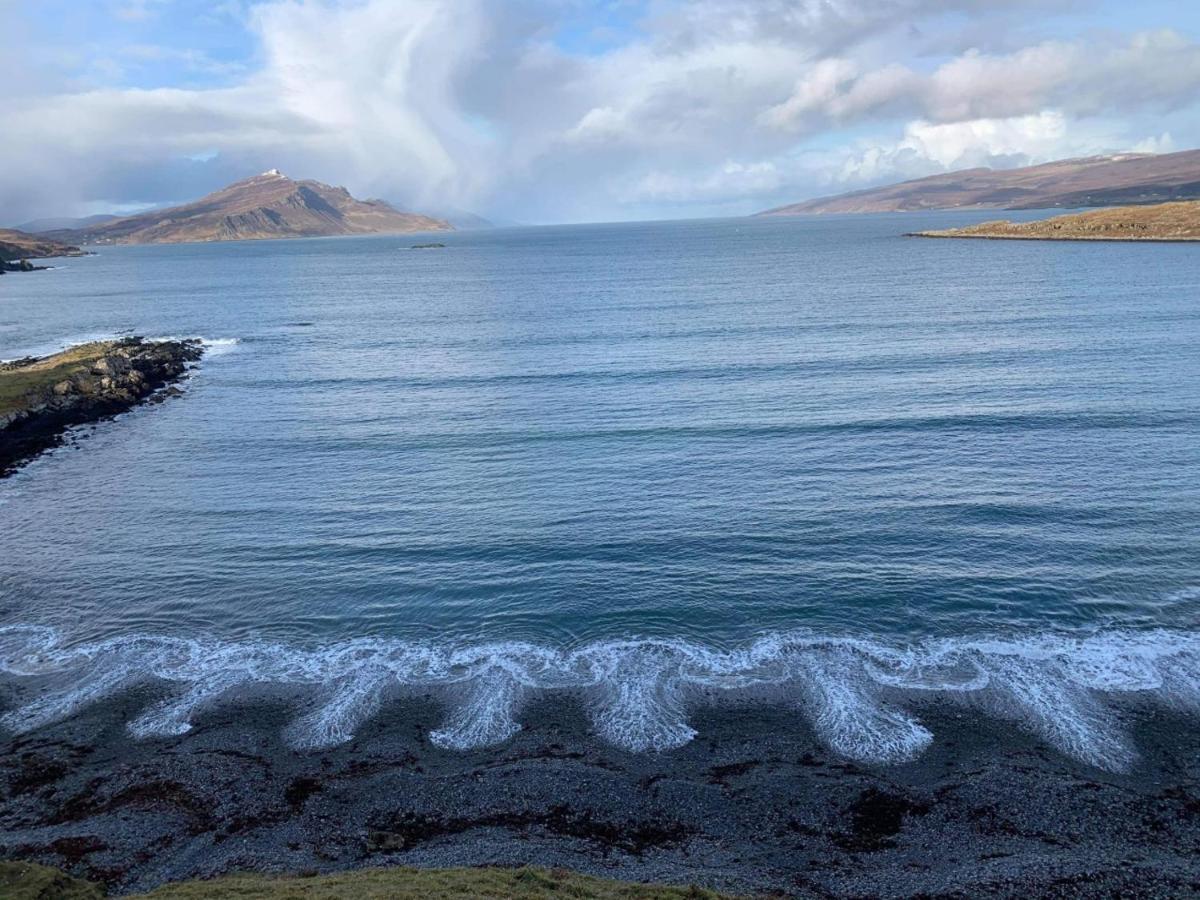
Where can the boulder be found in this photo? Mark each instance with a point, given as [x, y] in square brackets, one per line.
[111, 365]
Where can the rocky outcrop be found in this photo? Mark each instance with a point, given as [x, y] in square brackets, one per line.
[23, 265]
[41, 398]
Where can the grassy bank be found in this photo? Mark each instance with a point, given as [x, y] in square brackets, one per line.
[22, 382]
[26, 881]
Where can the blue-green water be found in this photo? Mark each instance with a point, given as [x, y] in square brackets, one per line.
[624, 459]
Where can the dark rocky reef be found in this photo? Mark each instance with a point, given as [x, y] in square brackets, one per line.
[40, 398]
[23, 265]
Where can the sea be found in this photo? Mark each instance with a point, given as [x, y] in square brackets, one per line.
[801, 461]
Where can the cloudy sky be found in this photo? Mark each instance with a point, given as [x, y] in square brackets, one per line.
[574, 110]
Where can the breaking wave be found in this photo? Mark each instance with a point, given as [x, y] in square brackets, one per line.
[212, 346]
[860, 697]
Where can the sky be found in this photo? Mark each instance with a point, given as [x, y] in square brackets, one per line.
[546, 111]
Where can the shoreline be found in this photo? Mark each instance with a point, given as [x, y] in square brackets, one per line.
[17, 249]
[255, 238]
[755, 805]
[1163, 223]
[41, 398]
[950, 235]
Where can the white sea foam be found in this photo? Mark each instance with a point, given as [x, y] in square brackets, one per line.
[219, 346]
[485, 713]
[639, 691]
[212, 346]
[846, 711]
[860, 697]
[347, 704]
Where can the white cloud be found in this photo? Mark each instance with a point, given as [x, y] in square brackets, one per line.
[835, 90]
[1162, 143]
[472, 103]
[1154, 69]
[930, 147]
[375, 83]
[732, 181]
[979, 141]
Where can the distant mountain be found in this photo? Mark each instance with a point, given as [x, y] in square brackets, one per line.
[16, 245]
[468, 221]
[40, 226]
[1131, 178]
[270, 205]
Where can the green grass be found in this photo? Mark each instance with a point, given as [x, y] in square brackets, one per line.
[18, 384]
[26, 881]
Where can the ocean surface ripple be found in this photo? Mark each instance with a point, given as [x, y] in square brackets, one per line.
[652, 465]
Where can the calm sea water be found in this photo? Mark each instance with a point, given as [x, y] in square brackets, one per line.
[690, 435]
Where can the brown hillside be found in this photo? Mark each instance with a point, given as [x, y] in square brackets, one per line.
[270, 205]
[19, 245]
[1072, 183]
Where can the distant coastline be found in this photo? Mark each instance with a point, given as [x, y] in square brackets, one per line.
[17, 248]
[1124, 179]
[1094, 239]
[1160, 223]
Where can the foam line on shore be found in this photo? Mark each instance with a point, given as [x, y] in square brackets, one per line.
[861, 697]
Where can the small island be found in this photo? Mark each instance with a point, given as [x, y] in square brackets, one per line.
[1165, 222]
[40, 398]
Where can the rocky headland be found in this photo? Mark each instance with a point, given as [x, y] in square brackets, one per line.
[40, 398]
[17, 248]
[1161, 222]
